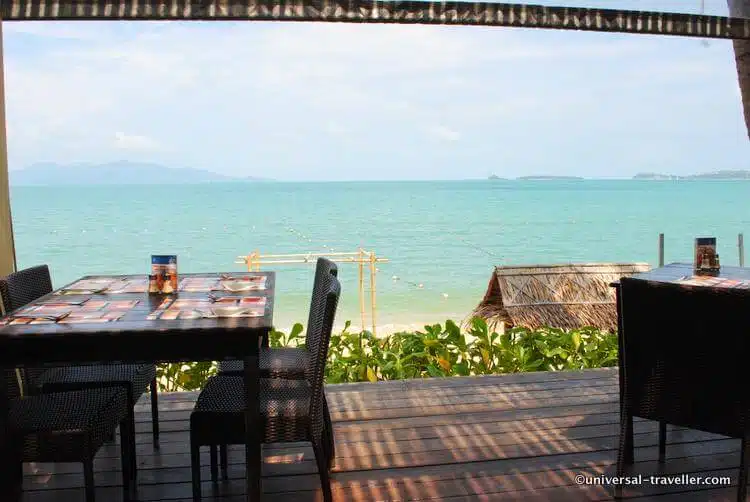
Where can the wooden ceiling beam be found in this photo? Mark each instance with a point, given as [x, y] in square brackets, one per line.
[365, 11]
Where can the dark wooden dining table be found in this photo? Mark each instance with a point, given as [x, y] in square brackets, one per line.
[143, 335]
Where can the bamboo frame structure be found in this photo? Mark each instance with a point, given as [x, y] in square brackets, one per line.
[361, 257]
[7, 245]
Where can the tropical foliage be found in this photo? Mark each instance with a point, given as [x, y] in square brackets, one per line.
[438, 351]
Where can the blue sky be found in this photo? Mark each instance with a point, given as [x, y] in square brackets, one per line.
[301, 101]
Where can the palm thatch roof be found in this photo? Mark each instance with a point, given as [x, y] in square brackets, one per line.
[369, 11]
[561, 296]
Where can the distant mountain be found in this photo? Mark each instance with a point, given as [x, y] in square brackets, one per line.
[717, 175]
[114, 173]
[550, 178]
[495, 177]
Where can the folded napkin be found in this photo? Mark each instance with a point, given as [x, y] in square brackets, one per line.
[65, 303]
[81, 291]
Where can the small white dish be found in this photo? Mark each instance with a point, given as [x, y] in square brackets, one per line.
[236, 286]
[228, 312]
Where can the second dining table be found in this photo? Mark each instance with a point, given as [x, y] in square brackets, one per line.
[113, 319]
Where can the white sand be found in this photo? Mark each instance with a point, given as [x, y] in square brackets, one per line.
[382, 329]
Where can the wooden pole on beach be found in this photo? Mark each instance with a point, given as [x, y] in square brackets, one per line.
[253, 263]
[661, 250]
[372, 292]
[7, 245]
[361, 265]
[741, 248]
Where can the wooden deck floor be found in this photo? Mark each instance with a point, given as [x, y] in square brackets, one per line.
[521, 437]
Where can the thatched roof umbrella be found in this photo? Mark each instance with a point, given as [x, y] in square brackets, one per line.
[350, 11]
[741, 8]
[568, 296]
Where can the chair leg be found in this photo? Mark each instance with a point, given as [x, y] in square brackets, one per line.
[131, 419]
[11, 475]
[625, 449]
[195, 467]
[325, 479]
[662, 441]
[126, 459]
[742, 480]
[214, 465]
[154, 413]
[329, 440]
[224, 459]
[133, 457]
[88, 479]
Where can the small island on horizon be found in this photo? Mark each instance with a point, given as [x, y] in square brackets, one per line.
[716, 175]
[741, 174]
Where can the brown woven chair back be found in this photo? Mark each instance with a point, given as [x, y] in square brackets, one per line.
[323, 269]
[320, 328]
[684, 348]
[18, 290]
[23, 287]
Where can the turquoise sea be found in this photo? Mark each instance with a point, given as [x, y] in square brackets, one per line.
[445, 235]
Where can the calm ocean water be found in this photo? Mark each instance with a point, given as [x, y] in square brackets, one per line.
[446, 236]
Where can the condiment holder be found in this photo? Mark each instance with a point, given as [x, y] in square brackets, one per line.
[163, 277]
[705, 257]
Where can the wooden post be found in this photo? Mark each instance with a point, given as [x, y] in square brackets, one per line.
[372, 292]
[661, 250]
[7, 245]
[361, 265]
[741, 248]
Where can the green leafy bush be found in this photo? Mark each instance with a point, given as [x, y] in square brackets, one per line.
[441, 351]
[173, 377]
[438, 351]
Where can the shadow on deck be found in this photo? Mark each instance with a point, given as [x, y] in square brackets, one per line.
[521, 437]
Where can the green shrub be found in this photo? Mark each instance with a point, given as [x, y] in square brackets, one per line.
[438, 351]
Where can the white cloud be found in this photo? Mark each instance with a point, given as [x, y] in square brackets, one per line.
[444, 133]
[335, 129]
[134, 142]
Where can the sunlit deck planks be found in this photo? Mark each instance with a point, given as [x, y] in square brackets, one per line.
[520, 437]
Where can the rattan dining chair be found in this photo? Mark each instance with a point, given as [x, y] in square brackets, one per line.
[291, 410]
[25, 286]
[681, 350]
[66, 427]
[290, 363]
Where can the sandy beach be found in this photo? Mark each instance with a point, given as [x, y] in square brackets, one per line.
[382, 329]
